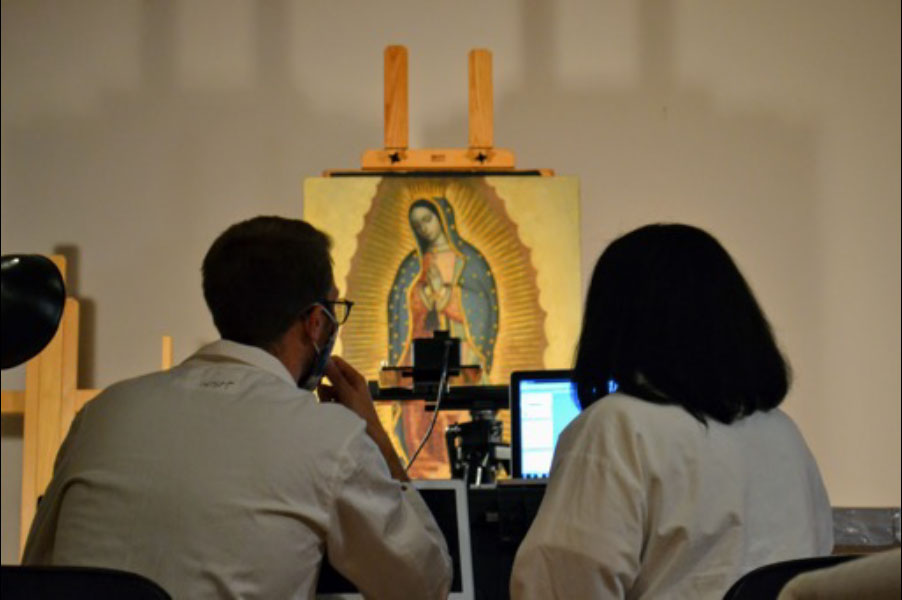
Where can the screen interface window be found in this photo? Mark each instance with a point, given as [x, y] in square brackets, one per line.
[546, 408]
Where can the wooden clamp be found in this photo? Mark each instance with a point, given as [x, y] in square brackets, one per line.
[481, 155]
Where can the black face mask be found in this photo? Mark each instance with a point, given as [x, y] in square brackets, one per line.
[314, 374]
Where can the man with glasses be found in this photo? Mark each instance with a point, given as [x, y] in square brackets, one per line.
[226, 476]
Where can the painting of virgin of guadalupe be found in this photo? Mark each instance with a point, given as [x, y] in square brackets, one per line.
[493, 260]
[444, 283]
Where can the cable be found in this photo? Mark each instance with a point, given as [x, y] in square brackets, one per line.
[438, 402]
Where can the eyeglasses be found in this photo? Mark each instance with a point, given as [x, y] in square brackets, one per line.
[340, 309]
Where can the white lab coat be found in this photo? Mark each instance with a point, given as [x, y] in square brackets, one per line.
[644, 501]
[220, 478]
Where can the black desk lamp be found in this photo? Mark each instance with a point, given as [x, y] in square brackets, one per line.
[33, 296]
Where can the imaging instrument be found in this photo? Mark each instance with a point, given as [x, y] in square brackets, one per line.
[475, 449]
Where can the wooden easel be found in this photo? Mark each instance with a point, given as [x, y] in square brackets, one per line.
[480, 155]
[49, 403]
[479, 158]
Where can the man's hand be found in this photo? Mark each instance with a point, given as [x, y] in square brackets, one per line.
[350, 390]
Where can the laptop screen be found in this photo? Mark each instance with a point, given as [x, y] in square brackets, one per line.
[542, 404]
[447, 501]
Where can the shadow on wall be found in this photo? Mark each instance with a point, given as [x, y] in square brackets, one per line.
[664, 152]
[660, 151]
[231, 153]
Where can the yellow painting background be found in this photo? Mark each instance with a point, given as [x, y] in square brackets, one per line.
[545, 209]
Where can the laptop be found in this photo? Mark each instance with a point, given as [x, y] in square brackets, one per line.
[447, 500]
[542, 404]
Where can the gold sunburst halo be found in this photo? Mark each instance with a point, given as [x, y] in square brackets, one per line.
[527, 228]
[482, 220]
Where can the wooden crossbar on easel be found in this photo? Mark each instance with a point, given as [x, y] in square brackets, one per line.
[480, 154]
[48, 404]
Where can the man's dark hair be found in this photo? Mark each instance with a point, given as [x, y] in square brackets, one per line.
[261, 274]
[671, 320]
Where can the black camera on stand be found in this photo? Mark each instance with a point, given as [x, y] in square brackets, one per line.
[475, 449]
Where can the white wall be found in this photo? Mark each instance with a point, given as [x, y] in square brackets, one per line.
[134, 132]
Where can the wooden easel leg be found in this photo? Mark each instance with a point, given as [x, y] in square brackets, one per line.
[41, 436]
[481, 124]
[480, 155]
[166, 359]
[396, 98]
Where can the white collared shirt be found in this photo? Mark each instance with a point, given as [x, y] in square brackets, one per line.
[644, 501]
[220, 478]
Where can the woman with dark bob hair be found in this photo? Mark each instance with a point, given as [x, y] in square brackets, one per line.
[680, 474]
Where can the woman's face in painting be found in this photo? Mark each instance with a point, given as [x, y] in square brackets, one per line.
[426, 224]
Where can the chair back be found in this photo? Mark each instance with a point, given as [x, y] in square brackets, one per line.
[76, 583]
[765, 583]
